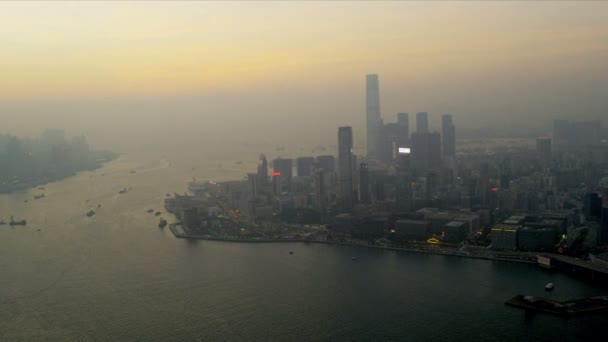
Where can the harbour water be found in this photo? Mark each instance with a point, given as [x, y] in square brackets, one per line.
[116, 276]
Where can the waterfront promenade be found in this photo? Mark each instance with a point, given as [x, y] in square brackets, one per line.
[522, 257]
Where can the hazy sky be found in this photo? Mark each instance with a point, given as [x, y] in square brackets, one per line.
[204, 67]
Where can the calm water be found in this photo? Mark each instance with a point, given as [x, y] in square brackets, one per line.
[116, 276]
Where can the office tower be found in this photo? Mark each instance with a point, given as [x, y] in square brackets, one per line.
[252, 182]
[543, 149]
[422, 122]
[304, 166]
[252, 185]
[263, 171]
[448, 132]
[374, 120]
[403, 121]
[426, 151]
[345, 166]
[389, 143]
[327, 163]
[283, 169]
[434, 150]
[320, 190]
[364, 191]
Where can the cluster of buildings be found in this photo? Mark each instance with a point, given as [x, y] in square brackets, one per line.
[414, 186]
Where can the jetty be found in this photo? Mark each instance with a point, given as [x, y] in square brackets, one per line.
[568, 308]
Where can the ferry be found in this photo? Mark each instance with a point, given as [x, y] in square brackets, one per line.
[549, 287]
[90, 212]
[162, 223]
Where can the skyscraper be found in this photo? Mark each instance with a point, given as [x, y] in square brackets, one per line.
[374, 120]
[345, 166]
[283, 171]
[448, 132]
[403, 121]
[364, 191]
[304, 166]
[422, 122]
[263, 171]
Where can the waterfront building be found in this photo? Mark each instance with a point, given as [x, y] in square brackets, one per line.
[422, 122]
[448, 132]
[304, 166]
[504, 237]
[536, 239]
[454, 232]
[411, 230]
[373, 117]
[345, 167]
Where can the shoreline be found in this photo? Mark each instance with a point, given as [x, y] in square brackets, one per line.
[497, 257]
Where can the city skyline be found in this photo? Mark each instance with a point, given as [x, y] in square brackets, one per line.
[92, 64]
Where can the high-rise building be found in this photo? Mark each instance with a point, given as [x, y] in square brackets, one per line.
[252, 183]
[327, 163]
[283, 169]
[374, 119]
[320, 190]
[345, 166]
[426, 151]
[304, 166]
[364, 191]
[422, 122]
[263, 171]
[543, 149]
[448, 132]
[403, 121]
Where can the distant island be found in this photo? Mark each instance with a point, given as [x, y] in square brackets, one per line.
[29, 162]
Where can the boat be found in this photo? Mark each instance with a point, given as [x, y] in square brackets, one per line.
[353, 258]
[2, 223]
[167, 195]
[162, 223]
[290, 252]
[123, 191]
[157, 213]
[90, 212]
[150, 210]
[549, 287]
[99, 206]
[41, 188]
[39, 196]
[17, 223]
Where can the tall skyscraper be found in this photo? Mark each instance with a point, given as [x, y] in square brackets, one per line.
[448, 132]
[422, 122]
[426, 151]
[283, 171]
[263, 171]
[374, 120]
[364, 191]
[320, 190]
[304, 166]
[403, 121]
[345, 166]
[327, 163]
